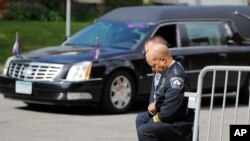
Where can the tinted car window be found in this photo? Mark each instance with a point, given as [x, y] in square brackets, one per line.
[111, 34]
[169, 33]
[203, 34]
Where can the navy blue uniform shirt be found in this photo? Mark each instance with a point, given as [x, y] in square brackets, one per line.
[169, 94]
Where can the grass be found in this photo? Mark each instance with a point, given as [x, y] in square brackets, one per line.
[32, 35]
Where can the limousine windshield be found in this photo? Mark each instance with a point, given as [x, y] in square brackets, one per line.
[110, 34]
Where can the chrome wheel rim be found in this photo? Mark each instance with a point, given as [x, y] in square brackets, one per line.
[120, 93]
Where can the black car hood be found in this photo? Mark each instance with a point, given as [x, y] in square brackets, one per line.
[68, 54]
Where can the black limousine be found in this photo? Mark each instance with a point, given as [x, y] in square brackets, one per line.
[104, 65]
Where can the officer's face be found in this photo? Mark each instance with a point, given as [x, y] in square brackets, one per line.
[158, 64]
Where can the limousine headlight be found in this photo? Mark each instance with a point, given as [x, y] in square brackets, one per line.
[79, 71]
[6, 66]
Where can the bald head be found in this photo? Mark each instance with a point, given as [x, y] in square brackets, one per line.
[159, 57]
[159, 50]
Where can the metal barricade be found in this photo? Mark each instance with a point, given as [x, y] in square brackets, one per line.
[195, 101]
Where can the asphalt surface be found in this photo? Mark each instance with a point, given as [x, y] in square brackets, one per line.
[45, 123]
[21, 123]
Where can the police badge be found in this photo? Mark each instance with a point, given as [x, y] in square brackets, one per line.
[176, 82]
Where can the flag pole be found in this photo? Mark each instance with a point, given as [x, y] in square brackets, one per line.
[68, 13]
[96, 52]
[15, 48]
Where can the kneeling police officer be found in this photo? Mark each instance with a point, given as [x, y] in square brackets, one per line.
[168, 117]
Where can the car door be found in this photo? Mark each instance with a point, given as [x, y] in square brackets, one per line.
[202, 44]
[239, 50]
[195, 45]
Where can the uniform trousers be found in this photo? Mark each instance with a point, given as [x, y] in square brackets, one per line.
[147, 130]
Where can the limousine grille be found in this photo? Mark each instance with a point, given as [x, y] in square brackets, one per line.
[34, 71]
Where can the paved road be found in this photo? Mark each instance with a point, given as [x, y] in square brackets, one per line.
[228, 119]
[20, 123]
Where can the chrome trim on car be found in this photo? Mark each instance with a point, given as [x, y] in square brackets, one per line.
[150, 74]
[32, 71]
[193, 71]
[91, 79]
[78, 95]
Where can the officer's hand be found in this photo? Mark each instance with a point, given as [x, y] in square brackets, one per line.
[152, 108]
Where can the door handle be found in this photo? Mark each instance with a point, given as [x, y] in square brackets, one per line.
[180, 58]
[223, 56]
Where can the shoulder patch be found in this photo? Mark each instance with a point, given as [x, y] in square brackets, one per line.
[176, 82]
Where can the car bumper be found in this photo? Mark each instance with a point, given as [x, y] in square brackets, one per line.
[55, 93]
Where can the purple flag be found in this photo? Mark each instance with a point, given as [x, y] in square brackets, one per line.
[96, 52]
[15, 49]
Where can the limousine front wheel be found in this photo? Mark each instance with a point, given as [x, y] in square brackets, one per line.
[119, 92]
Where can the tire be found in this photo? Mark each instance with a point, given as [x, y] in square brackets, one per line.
[118, 93]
